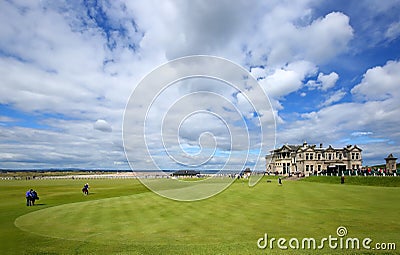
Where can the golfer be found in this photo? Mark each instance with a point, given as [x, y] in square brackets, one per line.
[28, 196]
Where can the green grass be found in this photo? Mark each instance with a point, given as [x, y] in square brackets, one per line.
[123, 217]
[382, 181]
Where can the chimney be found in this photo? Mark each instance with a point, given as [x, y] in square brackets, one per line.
[320, 145]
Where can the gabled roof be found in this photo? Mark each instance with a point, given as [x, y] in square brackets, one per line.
[309, 148]
[390, 157]
[330, 148]
[352, 148]
[293, 147]
[288, 147]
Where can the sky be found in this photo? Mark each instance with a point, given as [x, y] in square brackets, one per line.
[330, 71]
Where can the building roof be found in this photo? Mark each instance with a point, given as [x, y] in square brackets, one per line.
[247, 170]
[390, 157]
[290, 147]
[305, 146]
[350, 148]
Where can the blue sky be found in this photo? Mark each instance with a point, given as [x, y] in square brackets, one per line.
[331, 70]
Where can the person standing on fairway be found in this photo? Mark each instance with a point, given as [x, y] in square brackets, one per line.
[279, 181]
[28, 196]
[85, 189]
[34, 197]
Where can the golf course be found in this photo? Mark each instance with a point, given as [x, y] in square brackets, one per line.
[121, 216]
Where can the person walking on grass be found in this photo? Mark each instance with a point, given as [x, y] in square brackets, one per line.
[85, 189]
[279, 181]
[34, 197]
[28, 196]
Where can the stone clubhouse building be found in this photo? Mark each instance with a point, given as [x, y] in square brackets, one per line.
[309, 159]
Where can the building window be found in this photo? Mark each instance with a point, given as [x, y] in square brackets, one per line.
[357, 155]
[311, 168]
[319, 156]
[329, 156]
[311, 156]
[352, 155]
[319, 168]
[307, 168]
[340, 156]
[307, 156]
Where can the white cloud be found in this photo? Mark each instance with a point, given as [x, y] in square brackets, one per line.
[102, 125]
[277, 32]
[327, 37]
[379, 83]
[319, 41]
[333, 98]
[282, 83]
[7, 119]
[287, 79]
[324, 81]
[258, 72]
[328, 81]
[361, 133]
[64, 144]
[393, 31]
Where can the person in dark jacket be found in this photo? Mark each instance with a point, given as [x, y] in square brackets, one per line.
[34, 197]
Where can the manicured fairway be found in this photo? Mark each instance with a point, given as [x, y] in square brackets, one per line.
[123, 217]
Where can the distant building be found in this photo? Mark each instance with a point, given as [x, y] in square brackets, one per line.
[309, 159]
[246, 173]
[391, 163]
[185, 173]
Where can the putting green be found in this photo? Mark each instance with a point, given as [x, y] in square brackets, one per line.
[239, 215]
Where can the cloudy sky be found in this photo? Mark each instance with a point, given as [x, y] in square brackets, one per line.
[331, 70]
